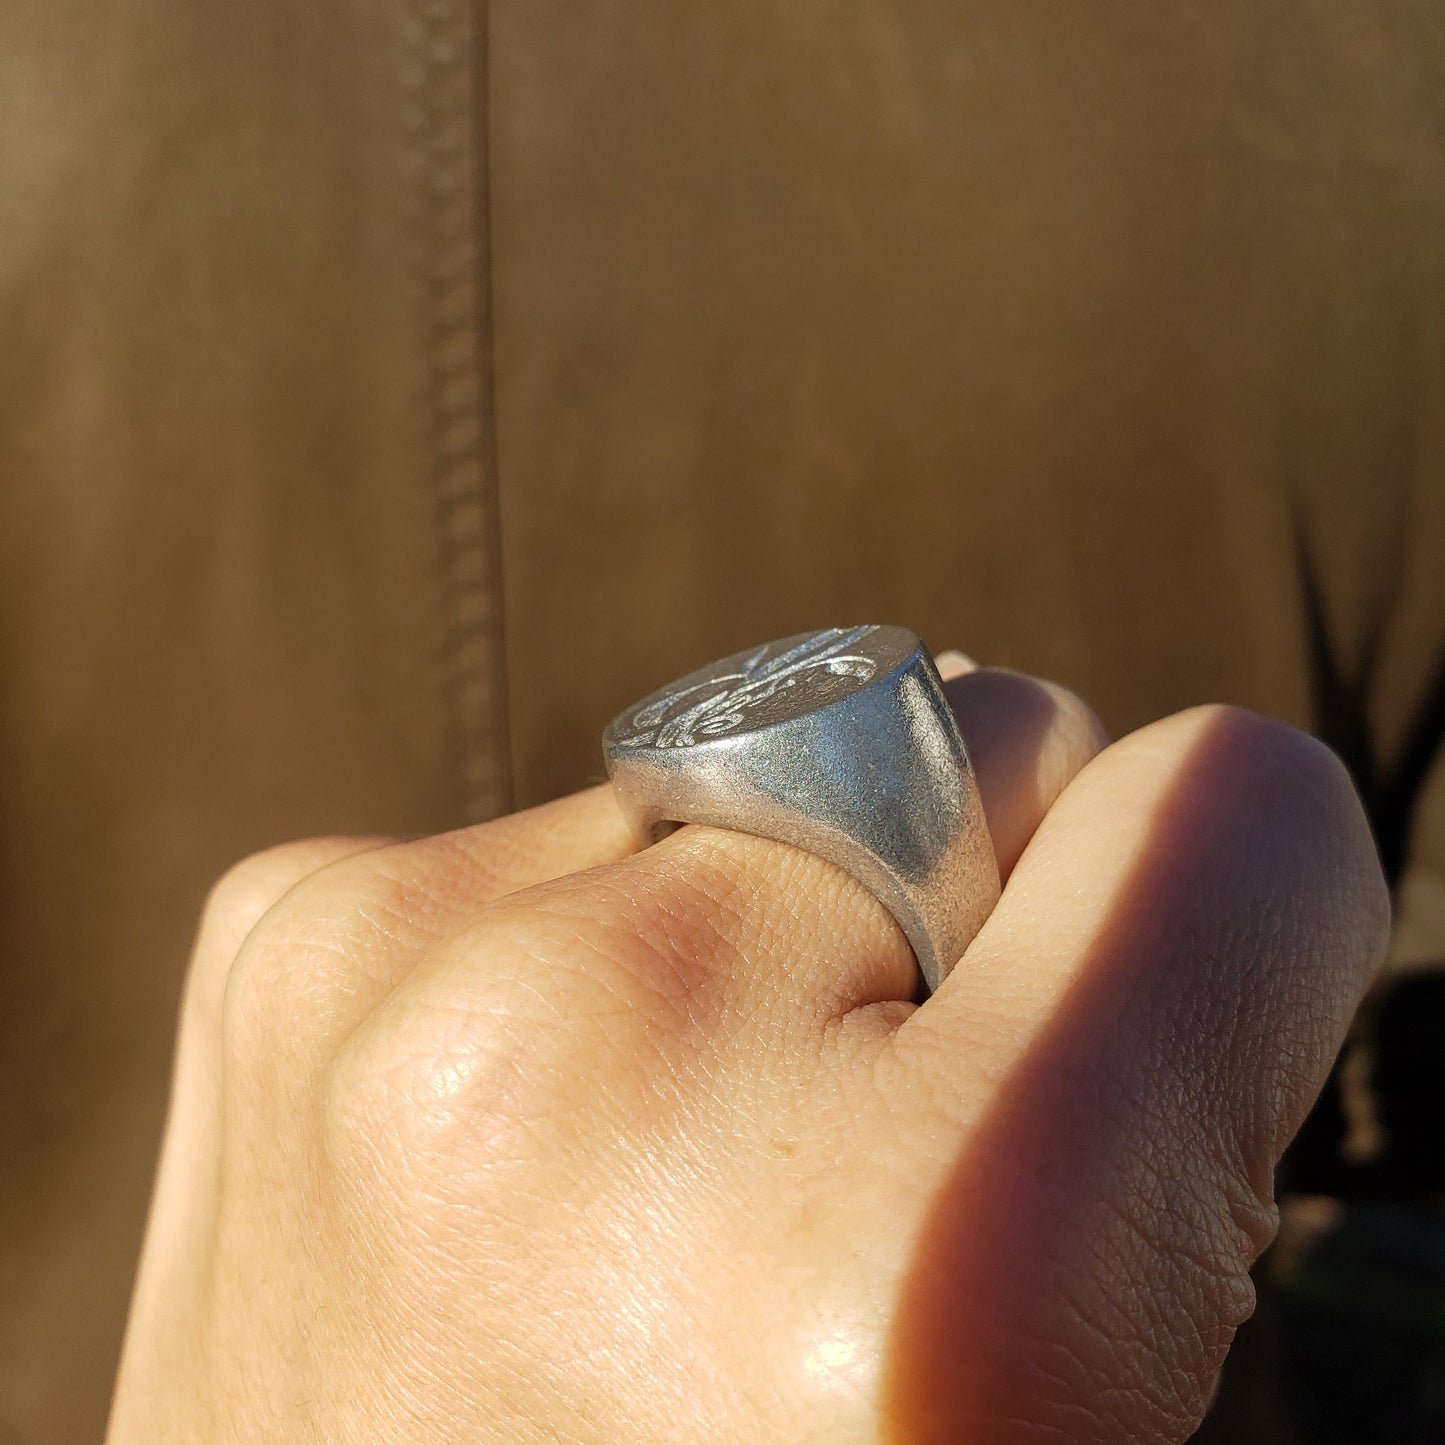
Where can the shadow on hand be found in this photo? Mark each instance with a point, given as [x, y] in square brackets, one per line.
[1081, 1271]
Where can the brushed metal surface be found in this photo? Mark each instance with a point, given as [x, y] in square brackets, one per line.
[840, 742]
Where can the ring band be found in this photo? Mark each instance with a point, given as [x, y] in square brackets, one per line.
[839, 742]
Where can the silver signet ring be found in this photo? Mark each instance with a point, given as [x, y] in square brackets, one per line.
[839, 742]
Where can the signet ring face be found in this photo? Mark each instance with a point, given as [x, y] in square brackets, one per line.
[840, 742]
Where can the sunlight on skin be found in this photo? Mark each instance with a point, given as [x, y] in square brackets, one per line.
[831, 1356]
[585, 1175]
[839, 1361]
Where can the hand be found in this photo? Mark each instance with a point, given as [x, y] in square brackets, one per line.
[514, 1135]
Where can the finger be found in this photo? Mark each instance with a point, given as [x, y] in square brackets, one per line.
[1150, 1009]
[237, 902]
[366, 881]
[764, 921]
[455, 871]
[706, 903]
[489, 860]
[1026, 738]
[185, 1182]
[953, 663]
[332, 945]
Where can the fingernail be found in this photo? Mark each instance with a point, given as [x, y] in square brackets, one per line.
[953, 663]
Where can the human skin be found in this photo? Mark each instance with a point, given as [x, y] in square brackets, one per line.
[515, 1134]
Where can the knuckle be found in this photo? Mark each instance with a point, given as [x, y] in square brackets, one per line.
[1267, 745]
[302, 953]
[453, 1067]
[483, 1043]
[1250, 1207]
[263, 995]
[362, 1106]
[1079, 727]
[1284, 771]
[250, 888]
[1075, 736]
[401, 1098]
[1304, 790]
[236, 904]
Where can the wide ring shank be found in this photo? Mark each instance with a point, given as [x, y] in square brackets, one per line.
[839, 742]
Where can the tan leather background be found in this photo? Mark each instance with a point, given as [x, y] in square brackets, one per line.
[1020, 325]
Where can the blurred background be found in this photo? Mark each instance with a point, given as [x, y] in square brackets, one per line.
[392, 389]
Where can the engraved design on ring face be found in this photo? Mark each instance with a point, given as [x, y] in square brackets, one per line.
[724, 702]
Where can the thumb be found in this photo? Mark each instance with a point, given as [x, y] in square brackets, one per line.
[1157, 999]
